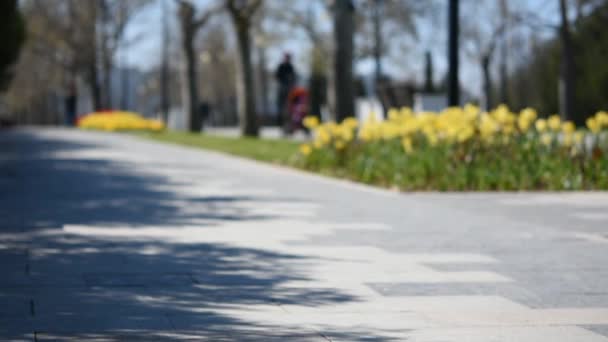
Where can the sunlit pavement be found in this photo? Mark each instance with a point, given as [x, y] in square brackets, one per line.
[108, 237]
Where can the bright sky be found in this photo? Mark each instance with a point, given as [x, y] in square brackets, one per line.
[145, 53]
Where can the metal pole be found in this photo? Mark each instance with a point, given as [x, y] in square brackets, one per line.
[453, 80]
[164, 72]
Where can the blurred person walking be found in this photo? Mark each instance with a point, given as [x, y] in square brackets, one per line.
[286, 78]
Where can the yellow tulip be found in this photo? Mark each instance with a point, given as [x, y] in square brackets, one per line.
[525, 119]
[541, 125]
[471, 110]
[523, 123]
[568, 127]
[394, 114]
[305, 149]
[351, 123]
[602, 118]
[593, 125]
[346, 134]
[406, 113]
[311, 122]
[554, 123]
[503, 115]
[365, 135]
[465, 134]
[487, 126]
[324, 135]
[529, 113]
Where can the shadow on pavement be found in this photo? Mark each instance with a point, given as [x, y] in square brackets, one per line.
[59, 286]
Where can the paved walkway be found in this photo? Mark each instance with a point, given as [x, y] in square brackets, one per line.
[265, 132]
[111, 238]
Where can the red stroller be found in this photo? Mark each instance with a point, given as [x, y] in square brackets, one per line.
[297, 107]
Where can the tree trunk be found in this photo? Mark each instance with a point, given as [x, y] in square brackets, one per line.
[428, 73]
[245, 87]
[94, 85]
[125, 89]
[105, 56]
[378, 39]
[453, 60]
[567, 76]
[344, 83]
[93, 72]
[263, 79]
[194, 123]
[107, 80]
[505, 48]
[330, 94]
[504, 80]
[92, 60]
[487, 83]
[317, 82]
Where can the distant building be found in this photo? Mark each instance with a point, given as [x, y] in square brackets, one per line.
[124, 89]
[424, 102]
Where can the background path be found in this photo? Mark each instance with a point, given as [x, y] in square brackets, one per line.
[265, 132]
[110, 238]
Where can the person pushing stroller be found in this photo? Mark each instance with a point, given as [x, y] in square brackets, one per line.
[285, 76]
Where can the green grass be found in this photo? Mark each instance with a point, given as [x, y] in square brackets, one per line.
[268, 150]
[509, 168]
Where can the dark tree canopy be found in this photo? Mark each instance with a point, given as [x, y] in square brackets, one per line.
[534, 83]
[12, 34]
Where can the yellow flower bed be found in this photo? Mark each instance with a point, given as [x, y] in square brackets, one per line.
[119, 121]
[452, 126]
[463, 149]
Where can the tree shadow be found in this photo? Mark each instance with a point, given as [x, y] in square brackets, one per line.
[61, 286]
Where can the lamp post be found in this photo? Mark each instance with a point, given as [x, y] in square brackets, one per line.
[164, 71]
[454, 31]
